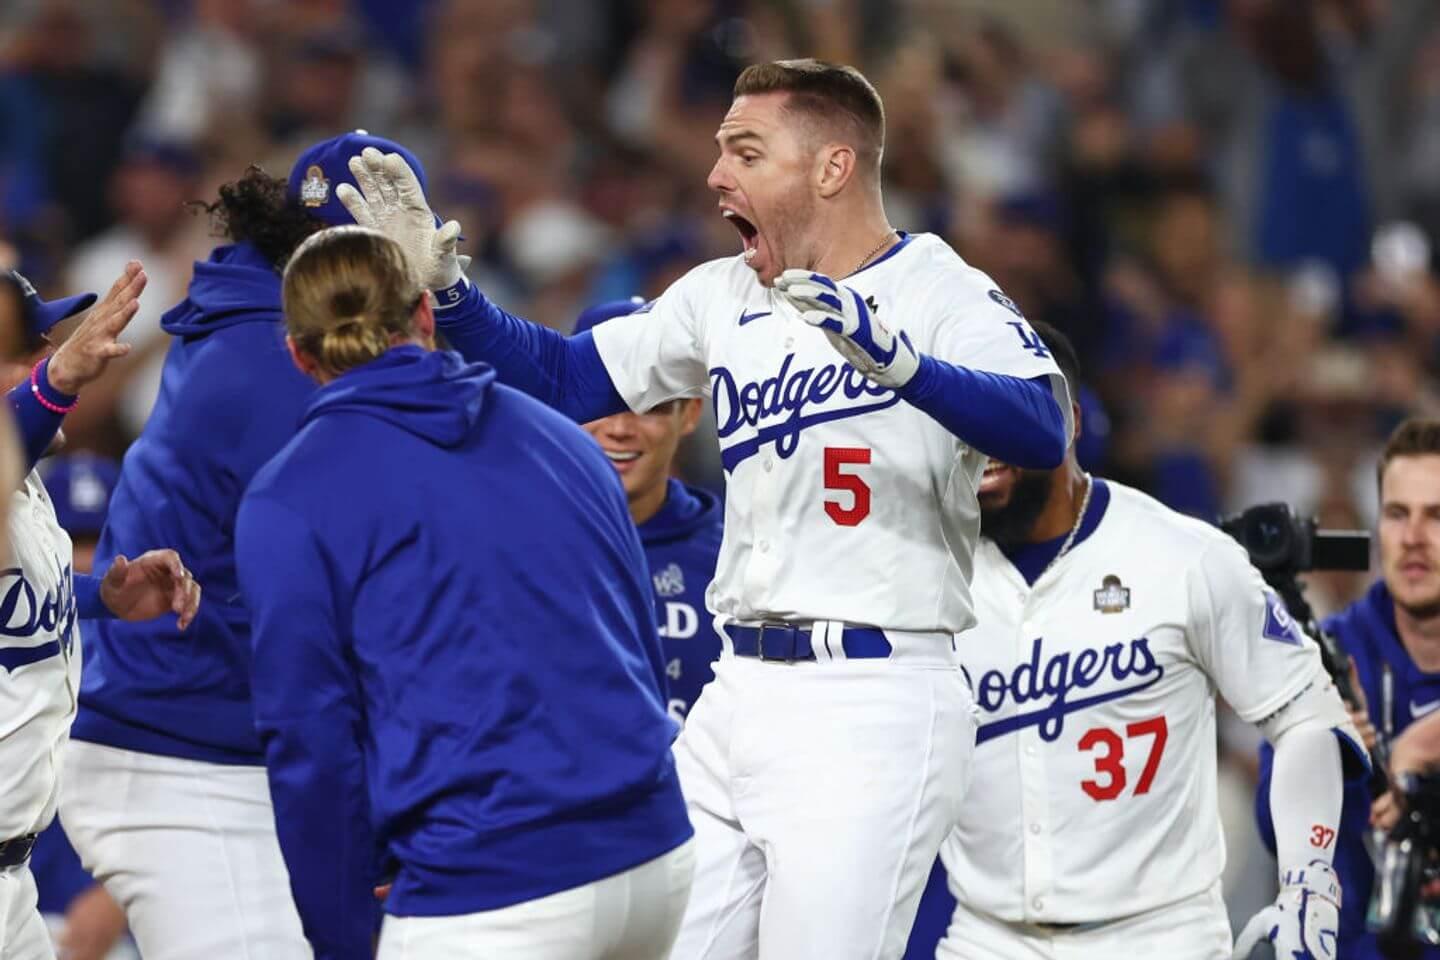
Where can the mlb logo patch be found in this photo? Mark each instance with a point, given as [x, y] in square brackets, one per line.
[1006, 302]
[1279, 625]
[1113, 596]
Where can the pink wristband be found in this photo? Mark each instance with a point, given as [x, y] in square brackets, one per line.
[45, 402]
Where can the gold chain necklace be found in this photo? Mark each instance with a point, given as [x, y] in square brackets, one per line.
[884, 241]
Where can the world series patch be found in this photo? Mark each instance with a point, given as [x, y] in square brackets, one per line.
[1113, 596]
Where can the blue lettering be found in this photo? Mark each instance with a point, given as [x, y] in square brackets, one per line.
[1057, 679]
[776, 407]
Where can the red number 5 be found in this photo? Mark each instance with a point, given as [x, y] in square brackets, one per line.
[859, 509]
[1111, 762]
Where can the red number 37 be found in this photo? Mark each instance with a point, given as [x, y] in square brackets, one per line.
[1110, 764]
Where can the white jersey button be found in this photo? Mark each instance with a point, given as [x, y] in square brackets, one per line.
[769, 464]
[764, 546]
[1038, 903]
[1035, 828]
[789, 342]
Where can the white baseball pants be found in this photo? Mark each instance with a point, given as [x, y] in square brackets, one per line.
[630, 916]
[1194, 928]
[23, 934]
[187, 848]
[820, 794]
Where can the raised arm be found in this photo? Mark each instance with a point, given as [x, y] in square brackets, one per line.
[1014, 417]
[564, 372]
[41, 401]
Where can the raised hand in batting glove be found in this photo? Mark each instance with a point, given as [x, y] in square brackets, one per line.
[1304, 920]
[391, 200]
[880, 353]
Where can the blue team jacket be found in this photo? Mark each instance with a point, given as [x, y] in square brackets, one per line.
[455, 660]
[1366, 629]
[682, 541]
[229, 400]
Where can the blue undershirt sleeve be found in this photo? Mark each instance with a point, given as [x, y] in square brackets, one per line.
[36, 423]
[563, 372]
[88, 605]
[1012, 419]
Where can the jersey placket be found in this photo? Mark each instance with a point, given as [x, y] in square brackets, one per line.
[763, 488]
[1031, 752]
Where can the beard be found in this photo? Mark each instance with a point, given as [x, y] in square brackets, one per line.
[1010, 523]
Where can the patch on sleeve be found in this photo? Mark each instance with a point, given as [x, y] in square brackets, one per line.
[1006, 302]
[1279, 625]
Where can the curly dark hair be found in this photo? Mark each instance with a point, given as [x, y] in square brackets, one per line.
[255, 210]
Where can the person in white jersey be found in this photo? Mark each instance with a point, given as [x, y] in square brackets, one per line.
[41, 598]
[1107, 624]
[860, 376]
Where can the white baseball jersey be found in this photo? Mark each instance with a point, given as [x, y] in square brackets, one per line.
[1095, 766]
[823, 465]
[39, 661]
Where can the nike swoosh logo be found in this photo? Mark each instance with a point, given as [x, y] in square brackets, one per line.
[1418, 710]
[747, 317]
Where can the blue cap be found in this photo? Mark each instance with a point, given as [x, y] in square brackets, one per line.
[593, 316]
[42, 315]
[326, 165]
[80, 485]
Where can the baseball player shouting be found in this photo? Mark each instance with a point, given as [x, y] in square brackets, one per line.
[857, 374]
[680, 525]
[39, 650]
[1107, 623]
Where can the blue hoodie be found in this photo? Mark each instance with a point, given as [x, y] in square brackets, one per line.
[229, 400]
[455, 659]
[1366, 629]
[682, 541]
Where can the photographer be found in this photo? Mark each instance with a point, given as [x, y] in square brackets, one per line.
[1392, 635]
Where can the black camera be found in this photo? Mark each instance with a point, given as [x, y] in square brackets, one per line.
[1408, 863]
[1281, 543]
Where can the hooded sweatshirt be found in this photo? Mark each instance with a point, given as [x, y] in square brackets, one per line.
[229, 400]
[455, 659]
[682, 541]
[1366, 630]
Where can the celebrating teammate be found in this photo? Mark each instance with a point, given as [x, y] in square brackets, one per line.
[176, 819]
[479, 697]
[680, 526]
[857, 375]
[1106, 624]
[39, 655]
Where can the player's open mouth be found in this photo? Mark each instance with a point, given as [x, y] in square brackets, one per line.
[996, 474]
[749, 234]
[622, 456]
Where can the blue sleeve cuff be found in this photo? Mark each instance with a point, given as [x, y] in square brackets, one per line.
[36, 423]
[1012, 419]
[88, 605]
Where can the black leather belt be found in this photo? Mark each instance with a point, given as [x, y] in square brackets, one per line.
[17, 851]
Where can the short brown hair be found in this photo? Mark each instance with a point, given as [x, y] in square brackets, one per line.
[1416, 437]
[829, 92]
[348, 294]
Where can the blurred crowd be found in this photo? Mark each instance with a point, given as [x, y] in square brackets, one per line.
[1230, 205]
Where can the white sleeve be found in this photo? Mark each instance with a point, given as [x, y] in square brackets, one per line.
[979, 327]
[1242, 635]
[657, 353]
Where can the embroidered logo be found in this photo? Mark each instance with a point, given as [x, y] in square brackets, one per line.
[747, 317]
[1006, 302]
[670, 582]
[1279, 625]
[1050, 681]
[314, 189]
[872, 304]
[1113, 596]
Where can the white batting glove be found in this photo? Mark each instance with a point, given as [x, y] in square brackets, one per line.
[880, 353]
[1303, 922]
[391, 200]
